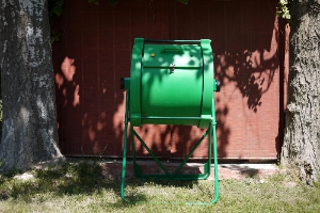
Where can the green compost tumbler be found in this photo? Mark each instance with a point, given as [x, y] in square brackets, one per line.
[171, 82]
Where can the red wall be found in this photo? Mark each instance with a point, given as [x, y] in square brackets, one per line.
[95, 52]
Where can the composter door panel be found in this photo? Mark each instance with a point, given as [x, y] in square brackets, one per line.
[167, 94]
[172, 82]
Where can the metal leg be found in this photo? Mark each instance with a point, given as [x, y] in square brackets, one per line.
[124, 155]
[212, 140]
[215, 159]
[215, 152]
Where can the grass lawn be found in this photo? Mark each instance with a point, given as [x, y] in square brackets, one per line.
[82, 188]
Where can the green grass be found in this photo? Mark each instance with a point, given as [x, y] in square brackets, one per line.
[82, 188]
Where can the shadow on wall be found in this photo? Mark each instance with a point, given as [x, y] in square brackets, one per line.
[79, 118]
[91, 105]
[68, 94]
[250, 72]
[253, 72]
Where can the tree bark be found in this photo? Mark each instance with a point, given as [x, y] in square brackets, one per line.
[29, 107]
[301, 148]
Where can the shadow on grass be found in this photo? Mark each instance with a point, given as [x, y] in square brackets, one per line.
[71, 179]
[79, 179]
[246, 171]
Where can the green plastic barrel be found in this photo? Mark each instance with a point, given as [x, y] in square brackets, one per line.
[171, 82]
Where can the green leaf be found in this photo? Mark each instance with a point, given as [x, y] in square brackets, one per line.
[183, 1]
[59, 3]
[57, 10]
[112, 2]
[287, 16]
[94, 1]
[283, 2]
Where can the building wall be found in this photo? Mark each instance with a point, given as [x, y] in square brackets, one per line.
[95, 52]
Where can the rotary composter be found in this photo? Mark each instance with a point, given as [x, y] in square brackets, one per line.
[171, 82]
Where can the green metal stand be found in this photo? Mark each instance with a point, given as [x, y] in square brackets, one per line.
[211, 133]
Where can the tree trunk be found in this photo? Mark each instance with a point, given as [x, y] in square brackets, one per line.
[301, 147]
[29, 109]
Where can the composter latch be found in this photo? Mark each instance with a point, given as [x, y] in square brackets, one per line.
[172, 67]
